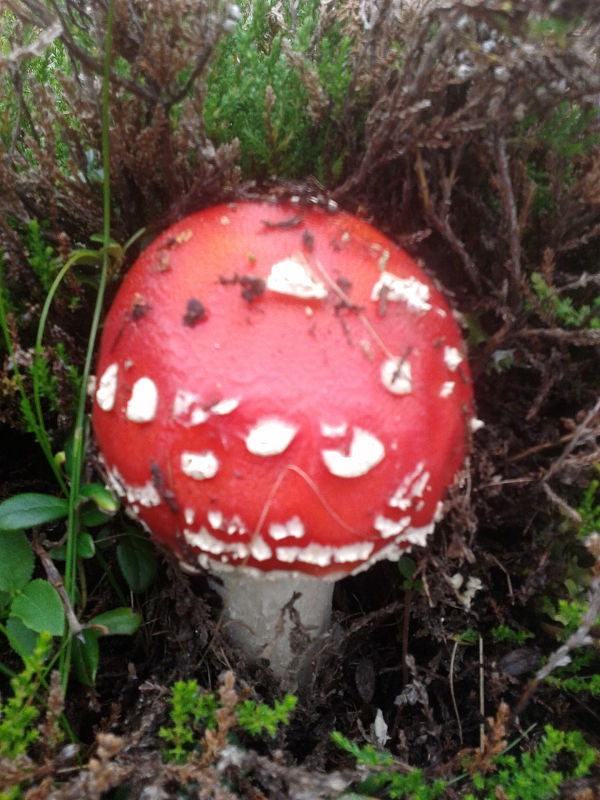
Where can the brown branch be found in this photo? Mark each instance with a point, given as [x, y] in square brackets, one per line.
[510, 210]
[589, 337]
[561, 656]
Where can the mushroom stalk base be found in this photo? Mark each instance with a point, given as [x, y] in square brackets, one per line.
[277, 618]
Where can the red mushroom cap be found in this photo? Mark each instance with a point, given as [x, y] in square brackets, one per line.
[283, 388]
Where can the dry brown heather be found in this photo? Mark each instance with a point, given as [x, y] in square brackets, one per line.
[469, 132]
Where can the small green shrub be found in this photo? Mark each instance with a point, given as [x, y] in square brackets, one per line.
[539, 774]
[558, 756]
[192, 712]
[281, 92]
[384, 780]
[563, 309]
[502, 633]
[19, 713]
[590, 510]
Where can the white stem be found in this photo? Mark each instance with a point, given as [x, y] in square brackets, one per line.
[262, 620]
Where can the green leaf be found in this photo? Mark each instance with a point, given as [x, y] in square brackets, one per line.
[85, 657]
[16, 561]
[85, 545]
[39, 608]
[29, 509]
[22, 639]
[86, 548]
[101, 497]
[92, 517]
[137, 561]
[121, 621]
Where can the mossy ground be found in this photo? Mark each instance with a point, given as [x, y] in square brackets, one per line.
[470, 134]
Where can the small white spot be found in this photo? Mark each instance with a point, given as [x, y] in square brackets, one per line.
[353, 552]
[259, 549]
[188, 568]
[188, 515]
[107, 388]
[394, 550]
[281, 530]
[199, 466]
[366, 451]
[215, 519]
[404, 494]
[389, 527]
[420, 484]
[409, 290]
[324, 555]
[224, 407]
[476, 424]
[205, 541]
[293, 277]
[452, 358]
[270, 437]
[396, 376]
[187, 410]
[235, 525]
[225, 220]
[145, 495]
[142, 404]
[333, 431]
[447, 389]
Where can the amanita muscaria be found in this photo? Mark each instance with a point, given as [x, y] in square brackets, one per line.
[282, 398]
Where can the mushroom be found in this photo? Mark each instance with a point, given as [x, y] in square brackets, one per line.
[282, 399]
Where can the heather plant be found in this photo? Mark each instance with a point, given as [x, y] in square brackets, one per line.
[192, 713]
[280, 90]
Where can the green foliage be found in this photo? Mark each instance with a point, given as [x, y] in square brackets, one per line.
[539, 774]
[577, 684]
[19, 713]
[45, 69]
[137, 561]
[281, 92]
[254, 718]
[502, 633]
[41, 256]
[406, 568]
[34, 603]
[188, 710]
[590, 510]
[468, 636]
[562, 308]
[558, 756]
[383, 780]
[551, 147]
[192, 710]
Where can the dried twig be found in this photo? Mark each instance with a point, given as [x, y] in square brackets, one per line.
[55, 580]
[510, 210]
[561, 657]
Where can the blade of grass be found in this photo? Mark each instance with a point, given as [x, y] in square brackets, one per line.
[79, 433]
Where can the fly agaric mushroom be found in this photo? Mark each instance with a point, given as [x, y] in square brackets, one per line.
[282, 398]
